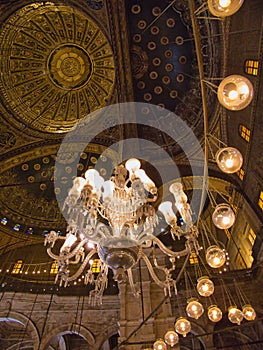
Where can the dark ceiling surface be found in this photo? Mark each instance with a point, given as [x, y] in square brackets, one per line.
[61, 60]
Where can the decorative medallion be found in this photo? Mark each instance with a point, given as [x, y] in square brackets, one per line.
[139, 62]
[57, 66]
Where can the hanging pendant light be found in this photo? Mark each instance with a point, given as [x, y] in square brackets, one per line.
[248, 312]
[182, 326]
[223, 216]
[235, 92]
[171, 338]
[229, 160]
[215, 256]
[194, 308]
[214, 313]
[224, 8]
[235, 315]
[159, 345]
[205, 287]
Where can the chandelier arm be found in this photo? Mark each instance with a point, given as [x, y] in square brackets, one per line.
[81, 269]
[130, 277]
[168, 251]
[75, 250]
[152, 273]
[52, 255]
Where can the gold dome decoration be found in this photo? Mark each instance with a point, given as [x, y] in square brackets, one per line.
[58, 66]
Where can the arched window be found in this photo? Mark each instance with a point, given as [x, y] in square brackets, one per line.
[17, 267]
[251, 67]
[193, 259]
[244, 132]
[241, 174]
[260, 200]
[54, 268]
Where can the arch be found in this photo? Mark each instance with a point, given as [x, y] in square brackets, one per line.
[65, 329]
[109, 332]
[26, 322]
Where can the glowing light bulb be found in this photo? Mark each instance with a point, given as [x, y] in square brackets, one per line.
[229, 163]
[214, 313]
[243, 89]
[171, 338]
[216, 261]
[226, 220]
[233, 94]
[215, 256]
[205, 288]
[224, 3]
[182, 326]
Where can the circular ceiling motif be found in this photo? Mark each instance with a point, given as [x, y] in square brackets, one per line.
[57, 67]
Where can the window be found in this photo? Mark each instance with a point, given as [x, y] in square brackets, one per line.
[95, 267]
[260, 201]
[17, 267]
[193, 259]
[241, 174]
[54, 268]
[251, 67]
[251, 237]
[244, 132]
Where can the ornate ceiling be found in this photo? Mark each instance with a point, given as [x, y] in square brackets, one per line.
[60, 61]
[58, 66]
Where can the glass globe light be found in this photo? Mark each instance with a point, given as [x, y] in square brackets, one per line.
[224, 8]
[205, 287]
[159, 345]
[182, 326]
[235, 92]
[235, 315]
[171, 338]
[214, 313]
[229, 160]
[132, 165]
[215, 256]
[194, 309]
[249, 312]
[223, 216]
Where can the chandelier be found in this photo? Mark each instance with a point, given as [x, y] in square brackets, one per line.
[118, 218]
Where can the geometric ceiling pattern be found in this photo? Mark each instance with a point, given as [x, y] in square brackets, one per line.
[58, 67]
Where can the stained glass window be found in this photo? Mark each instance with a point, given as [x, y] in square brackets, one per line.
[17, 267]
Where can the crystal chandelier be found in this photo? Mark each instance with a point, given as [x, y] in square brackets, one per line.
[118, 218]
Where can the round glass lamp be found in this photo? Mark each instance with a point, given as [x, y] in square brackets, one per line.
[205, 287]
[215, 256]
[229, 160]
[249, 312]
[182, 326]
[235, 92]
[194, 309]
[214, 313]
[235, 315]
[224, 8]
[223, 216]
[159, 345]
[171, 338]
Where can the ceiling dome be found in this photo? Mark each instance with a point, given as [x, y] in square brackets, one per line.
[58, 67]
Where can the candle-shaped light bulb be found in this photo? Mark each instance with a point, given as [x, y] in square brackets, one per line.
[79, 182]
[147, 182]
[166, 209]
[108, 188]
[132, 165]
[94, 179]
[70, 240]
